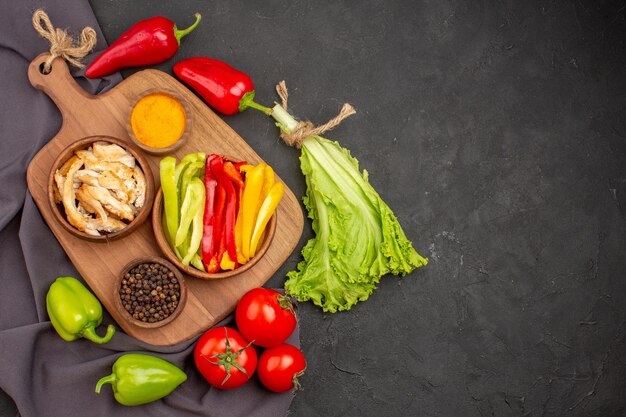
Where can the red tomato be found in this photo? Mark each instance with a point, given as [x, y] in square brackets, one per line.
[280, 367]
[225, 358]
[265, 317]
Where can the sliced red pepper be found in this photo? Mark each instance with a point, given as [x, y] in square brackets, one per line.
[218, 230]
[232, 172]
[230, 209]
[207, 246]
[239, 164]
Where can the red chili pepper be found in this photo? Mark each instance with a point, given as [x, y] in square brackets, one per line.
[223, 87]
[207, 247]
[227, 235]
[147, 42]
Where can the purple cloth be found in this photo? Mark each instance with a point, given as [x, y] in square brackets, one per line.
[45, 375]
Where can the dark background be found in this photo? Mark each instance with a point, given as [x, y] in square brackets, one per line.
[496, 132]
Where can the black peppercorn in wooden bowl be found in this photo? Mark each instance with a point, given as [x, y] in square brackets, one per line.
[150, 292]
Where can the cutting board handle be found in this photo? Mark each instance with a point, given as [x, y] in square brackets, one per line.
[58, 84]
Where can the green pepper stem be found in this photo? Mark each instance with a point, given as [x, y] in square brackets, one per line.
[90, 334]
[179, 34]
[109, 379]
[257, 106]
[247, 101]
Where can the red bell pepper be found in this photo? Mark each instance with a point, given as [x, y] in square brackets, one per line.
[208, 249]
[223, 87]
[147, 42]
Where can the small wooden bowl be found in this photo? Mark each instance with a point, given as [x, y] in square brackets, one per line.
[183, 138]
[159, 234]
[142, 215]
[118, 285]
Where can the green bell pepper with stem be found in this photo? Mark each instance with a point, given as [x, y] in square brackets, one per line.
[75, 312]
[138, 379]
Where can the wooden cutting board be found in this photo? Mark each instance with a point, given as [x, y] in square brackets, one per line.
[100, 263]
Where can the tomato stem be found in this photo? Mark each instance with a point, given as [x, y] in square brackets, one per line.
[285, 303]
[228, 359]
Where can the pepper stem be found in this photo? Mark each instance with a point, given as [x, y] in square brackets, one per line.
[247, 101]
[109, 379]
[179, 34]
[90, 334]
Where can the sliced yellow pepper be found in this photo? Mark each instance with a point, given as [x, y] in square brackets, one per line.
[238, 230]
[250, 202]
[268, 181]
[227, 264]
[265, 213]
[246, 168]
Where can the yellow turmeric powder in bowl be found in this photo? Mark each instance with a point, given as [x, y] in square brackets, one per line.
[158, 122]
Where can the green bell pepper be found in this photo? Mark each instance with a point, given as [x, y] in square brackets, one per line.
[139, 379]
[75, 312]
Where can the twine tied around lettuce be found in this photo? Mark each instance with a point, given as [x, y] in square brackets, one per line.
[61, 43]
[304, 129]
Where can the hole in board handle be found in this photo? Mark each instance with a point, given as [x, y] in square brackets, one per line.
[42, 69]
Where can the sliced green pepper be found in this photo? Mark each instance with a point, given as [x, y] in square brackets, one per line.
[188, 210]
[75, 312]
[197, 210]
[196, 261]
[170, 196]
[180, 167]
[193, 170]
[139, 379]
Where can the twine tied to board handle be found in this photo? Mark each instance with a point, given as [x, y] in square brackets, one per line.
[304, 129]
[61, 43]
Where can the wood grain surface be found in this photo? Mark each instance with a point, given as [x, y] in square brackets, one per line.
[99, 263]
